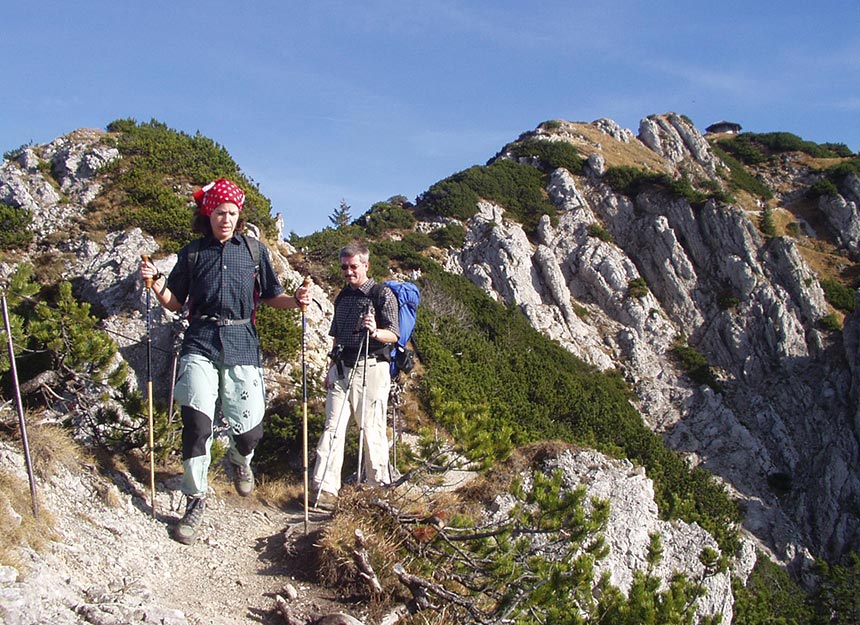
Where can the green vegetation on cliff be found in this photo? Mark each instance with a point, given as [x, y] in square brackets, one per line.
[151, 186]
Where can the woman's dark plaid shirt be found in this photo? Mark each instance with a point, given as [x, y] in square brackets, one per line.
[222, 288]
[347, 312]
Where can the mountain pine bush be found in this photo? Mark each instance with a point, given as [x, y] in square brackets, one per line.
[151, 185]
[486, 363]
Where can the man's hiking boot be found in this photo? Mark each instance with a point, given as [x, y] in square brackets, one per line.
[188, 527]
[326, 502]
[243, 479]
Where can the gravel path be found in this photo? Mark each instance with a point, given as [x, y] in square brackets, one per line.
[111, 562]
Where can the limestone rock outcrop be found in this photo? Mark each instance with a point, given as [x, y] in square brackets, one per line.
[752, 305]
[780, 426]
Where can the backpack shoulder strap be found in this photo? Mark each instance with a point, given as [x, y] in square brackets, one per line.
[377, 294]
[253, 245]
[190, 262]
[193, 250]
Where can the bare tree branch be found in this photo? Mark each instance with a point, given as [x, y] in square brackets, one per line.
[362, 561]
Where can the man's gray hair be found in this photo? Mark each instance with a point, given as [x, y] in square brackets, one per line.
[355, 249]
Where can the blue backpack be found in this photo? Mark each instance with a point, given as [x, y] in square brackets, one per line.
[408, 298]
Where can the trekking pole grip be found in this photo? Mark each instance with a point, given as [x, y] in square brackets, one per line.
[306, 284]
[147, 259]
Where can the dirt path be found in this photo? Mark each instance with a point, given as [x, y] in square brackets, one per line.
[111, 562]
[244, 556]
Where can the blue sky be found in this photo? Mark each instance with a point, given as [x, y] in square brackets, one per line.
[323, 101]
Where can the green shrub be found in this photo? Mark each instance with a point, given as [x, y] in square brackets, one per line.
[624, 179]
[479, 353]
[280, 450]
[155, 159]
[418, 241]
[631, 181]
[787, 142]
[838, 173]
[744, 149]
[383, 216]
[518, 188]
[280, 333]
[637, 288]
[753, 148]
[830, 322]
[452, 197]
[551, 154]
[839, 149]
[384, 255]
[739, 178]
[451, 235]
[599, 232]
[837, 599]
[16, 233]
[838, 295]
[727, 301]
[825, 186]
[696, 365]
[767, 225]
[770, 596]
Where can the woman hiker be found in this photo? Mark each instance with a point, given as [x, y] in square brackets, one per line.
[220, 357]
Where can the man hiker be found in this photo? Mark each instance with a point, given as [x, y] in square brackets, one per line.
[221, 275]
[358, 380]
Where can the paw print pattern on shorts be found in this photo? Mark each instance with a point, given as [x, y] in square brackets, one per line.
[244, 395]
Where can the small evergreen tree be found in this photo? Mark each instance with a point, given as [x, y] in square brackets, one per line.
[768, 227]
[341, 216]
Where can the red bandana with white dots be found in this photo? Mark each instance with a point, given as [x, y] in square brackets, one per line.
[216, 193]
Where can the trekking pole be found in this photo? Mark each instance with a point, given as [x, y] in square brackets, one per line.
[363, 405]
[172, 385]
[343, 406]
[20, 408]
[396, 397]
[306, 284]
[148, 285]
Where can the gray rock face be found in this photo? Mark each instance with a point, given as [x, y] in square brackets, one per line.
[678, 140]
[785, 413]
[751, 305]
[55, 182]
[843, 212]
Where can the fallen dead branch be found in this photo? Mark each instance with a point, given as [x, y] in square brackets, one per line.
[362, 561]
[283, 607]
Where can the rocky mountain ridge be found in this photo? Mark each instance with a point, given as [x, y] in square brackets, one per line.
[787, 403]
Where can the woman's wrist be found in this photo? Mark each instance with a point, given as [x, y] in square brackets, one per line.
[155, 279]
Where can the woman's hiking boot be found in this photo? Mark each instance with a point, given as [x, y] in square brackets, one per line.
[243, 479]
[189, 526]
